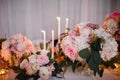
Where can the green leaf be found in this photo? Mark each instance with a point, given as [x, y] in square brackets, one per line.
[109, 64]
[17, 69]
[92, 64]
[74, 66]
[22, 76]
[69, 61]
[49, 55]
[100, 72]
[95, 45]
[96, 57]
[84, 53]
[94, 73]
[36, 77]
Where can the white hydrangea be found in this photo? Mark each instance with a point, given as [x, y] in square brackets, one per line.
[109, 49]
[81, 43]
[102, 33]
[85, 32]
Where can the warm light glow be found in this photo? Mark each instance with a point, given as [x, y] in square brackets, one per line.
[116, 65]
[2, 71]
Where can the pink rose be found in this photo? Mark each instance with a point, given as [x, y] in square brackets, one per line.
[24, 64]
[52, 68]
[71, 33]
[115, 14]
[92, 26]
[71, 52]
[43, 59]
[29, 70]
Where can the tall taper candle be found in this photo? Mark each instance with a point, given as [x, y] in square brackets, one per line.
[52, 44]
[66, 27]
[44, 36]
[58, 18]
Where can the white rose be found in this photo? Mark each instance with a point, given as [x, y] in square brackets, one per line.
[44, 52]
[66, 41]
[45, 73]
[33, 58]
[20, 47]
[6, 44]
[35, 67]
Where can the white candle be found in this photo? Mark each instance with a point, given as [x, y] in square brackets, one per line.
[44, 36]
[58, 18]
[52, 44]
[66, 30]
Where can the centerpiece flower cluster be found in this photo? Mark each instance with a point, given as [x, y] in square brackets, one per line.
[90, 44]
[16, 47]
[37, 65]
[20, 54]
[86, 44]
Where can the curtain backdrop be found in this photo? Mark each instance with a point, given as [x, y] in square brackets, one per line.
[29, 17]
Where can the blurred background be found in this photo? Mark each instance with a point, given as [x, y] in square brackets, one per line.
[29, 17]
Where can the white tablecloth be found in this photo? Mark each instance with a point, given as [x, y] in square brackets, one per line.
[69, 75]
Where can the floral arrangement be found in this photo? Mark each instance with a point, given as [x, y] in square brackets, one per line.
[19, 52]
[112, 25]
[89, 44]
[86, 45]
[16, 47]
[36, 65]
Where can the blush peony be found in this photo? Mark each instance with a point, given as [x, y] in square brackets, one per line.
[42, 59]
[71, 52]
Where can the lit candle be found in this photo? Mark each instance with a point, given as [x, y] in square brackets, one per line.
[52, 44]
[66, 30]
[2, 71]
[58, 18]
[44, 36]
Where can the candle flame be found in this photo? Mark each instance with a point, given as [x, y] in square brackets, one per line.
[2, 71]
[42, 31]
[66, 19]
[58, 18]
[116, 65]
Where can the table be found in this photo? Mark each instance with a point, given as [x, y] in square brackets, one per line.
[69, 75]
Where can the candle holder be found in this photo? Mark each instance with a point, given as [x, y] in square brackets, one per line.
[3, 70]
[67, 30]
